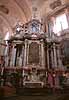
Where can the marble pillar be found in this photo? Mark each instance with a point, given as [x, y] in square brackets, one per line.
[55, 56]
[6, 56]
[13, 56]
[20, 61]
[48, 57]
[42, 54]
[52, 58]
[9, 55]
[22, 55]
[59, 59]
[25, 53]
[23, 60]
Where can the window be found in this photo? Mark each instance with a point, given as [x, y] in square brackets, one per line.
[7, 36]
[60, 23]
[35, 27]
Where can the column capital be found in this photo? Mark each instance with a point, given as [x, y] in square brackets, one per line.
[54, 44]
[26, 40]
[52, 47]
[41, 40]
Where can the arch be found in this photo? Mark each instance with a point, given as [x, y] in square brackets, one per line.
[7, 24]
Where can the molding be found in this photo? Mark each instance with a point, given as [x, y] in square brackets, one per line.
[56, 11]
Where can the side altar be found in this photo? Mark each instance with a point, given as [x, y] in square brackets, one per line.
[26, 51]
[30, 56]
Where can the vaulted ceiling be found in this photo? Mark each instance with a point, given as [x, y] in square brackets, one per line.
[14, 11]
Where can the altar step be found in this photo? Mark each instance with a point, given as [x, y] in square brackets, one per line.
[33, 91]
[7, 91]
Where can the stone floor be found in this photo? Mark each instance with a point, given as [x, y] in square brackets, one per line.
[46, 97]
